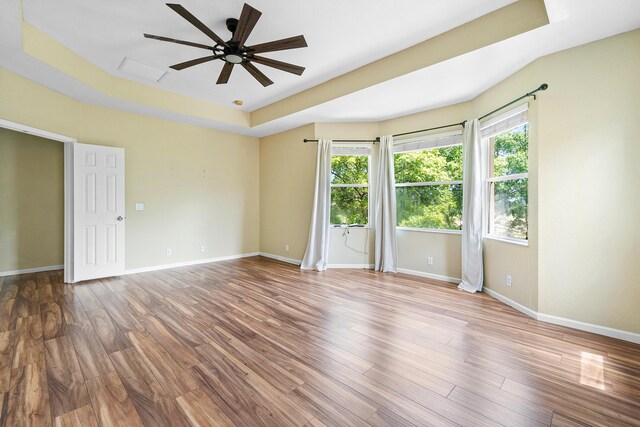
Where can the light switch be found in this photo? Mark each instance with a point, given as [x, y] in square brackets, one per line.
[139, 206]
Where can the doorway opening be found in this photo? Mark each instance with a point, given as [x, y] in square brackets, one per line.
[68, 197]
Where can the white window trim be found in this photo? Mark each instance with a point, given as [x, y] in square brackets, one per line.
[519, 110]
[349, 185]
[367, 186]
[428, 142]
[427, 184]
[430, 230]
[508, 177]
[486, 126]
[510, 240]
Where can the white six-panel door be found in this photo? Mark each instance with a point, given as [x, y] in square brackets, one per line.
[99, 211]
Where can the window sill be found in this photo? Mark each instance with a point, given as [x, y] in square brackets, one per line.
[518, 242]
[430, 230]
[366, 227]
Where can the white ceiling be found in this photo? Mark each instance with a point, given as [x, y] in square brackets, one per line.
[107, 31]
[342, 35]
[573, 23]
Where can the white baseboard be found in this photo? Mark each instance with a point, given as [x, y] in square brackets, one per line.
[31, 270]
[187, 263]
[281, 258]
[298, 262]
[511, 303]
[357, 266]
[429, 275]
[563, 321]
[589, 327]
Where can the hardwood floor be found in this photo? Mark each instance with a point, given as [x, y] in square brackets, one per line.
[257, 342]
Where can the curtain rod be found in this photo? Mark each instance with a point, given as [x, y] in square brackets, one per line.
[428, 129]
[344, 140]
[543, 86]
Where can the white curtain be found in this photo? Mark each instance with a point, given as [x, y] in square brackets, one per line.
[317, 254]
[386, 247]
[472, 208]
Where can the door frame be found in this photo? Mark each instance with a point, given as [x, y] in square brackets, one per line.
[69, 146]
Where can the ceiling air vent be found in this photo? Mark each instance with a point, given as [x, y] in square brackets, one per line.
[140, 70]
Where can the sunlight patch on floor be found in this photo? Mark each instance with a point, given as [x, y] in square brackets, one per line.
[592, 370]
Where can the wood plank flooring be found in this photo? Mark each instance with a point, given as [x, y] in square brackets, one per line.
[255, 342]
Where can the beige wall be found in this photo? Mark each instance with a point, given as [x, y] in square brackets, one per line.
[287, 174]
[502, 259]
[213, 188]
[415, 247]
[286, 191]
[580, 262]
[199, 186]
[31, 201]
[589, 176]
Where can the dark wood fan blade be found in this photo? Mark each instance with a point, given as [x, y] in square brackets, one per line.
[284, 66]
[225, 73]
[196, 23]
[283, 44]
[248, 20]
[187, 64]
[170, 40]
[257, 74]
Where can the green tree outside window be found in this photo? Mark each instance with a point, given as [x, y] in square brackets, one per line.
[509, 199]
[429, 206]
[349, 190]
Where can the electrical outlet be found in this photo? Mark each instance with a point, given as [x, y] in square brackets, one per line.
[169, 252]
[202, 249]
[508, 280]
[430, 261]
[286, 248]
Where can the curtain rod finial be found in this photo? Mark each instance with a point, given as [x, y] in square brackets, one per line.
[543, 86]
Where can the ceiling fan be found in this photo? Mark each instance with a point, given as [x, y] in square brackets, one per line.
[234, 51]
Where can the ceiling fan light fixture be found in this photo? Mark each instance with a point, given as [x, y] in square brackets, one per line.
[235, 51]
[234, 58]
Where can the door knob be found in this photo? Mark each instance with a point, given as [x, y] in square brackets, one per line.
[120, 218]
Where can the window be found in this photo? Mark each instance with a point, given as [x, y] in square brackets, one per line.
[507, 142]
[350, 186]
[428, 175]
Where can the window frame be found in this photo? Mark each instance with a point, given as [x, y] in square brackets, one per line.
[489, 179]
[367, 186]
[441, 136]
